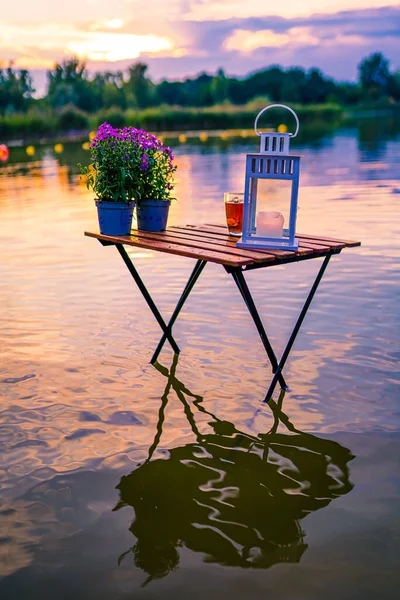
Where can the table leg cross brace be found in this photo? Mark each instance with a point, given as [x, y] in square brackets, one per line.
[166, 328]
[248, 300]
[277, 368]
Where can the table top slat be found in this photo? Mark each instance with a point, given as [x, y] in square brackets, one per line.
[316, 238]
[320, 247]
[171, 248]
[279, 254]
[323, 239]
[175, 236]
[213, 243]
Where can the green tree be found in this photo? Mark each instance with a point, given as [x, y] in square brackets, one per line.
[16, 90]
[68, 83]
[219, 87]
[268, 82]
[111, 88]
[346, 94]
[199, 90]
[139, 88]
[316, 88]
[293, 85]
[394, 86]
[189, 92]
[170, 92]
[375, 75]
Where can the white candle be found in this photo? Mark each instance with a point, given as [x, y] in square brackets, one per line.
[269, 224]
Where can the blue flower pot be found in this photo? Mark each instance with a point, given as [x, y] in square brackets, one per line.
[115, 218]
[152, 215]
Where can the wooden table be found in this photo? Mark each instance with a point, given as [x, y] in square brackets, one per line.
[212, 243]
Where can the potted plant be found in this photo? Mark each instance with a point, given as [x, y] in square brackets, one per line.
[109, 176]
[154, 183]
[129, 165]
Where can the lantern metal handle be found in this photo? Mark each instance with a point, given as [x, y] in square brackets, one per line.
[278, 106]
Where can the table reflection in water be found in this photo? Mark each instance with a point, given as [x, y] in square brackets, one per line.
[236, 498]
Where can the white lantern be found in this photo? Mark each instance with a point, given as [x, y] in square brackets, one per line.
[270, 193]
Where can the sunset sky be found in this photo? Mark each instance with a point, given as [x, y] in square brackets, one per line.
[184, 37]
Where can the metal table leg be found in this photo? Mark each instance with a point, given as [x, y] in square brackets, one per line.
[247, 297]
[277, 368]
[297, 328]
[200, 264]
[147, 296]
[167, 329]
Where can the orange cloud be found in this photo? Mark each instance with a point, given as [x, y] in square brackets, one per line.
[247, 41]
[29, 45]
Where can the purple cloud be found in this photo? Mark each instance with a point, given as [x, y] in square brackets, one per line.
[339, 42]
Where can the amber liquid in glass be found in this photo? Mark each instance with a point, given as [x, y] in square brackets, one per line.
[234, 217]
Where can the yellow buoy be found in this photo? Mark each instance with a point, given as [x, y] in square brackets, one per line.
[244, 133]
[30, 150]
[224, 135]
[86, 145]
[92, 135]
[182, 137]
[203, 136]
[282, 128]
[58, 148]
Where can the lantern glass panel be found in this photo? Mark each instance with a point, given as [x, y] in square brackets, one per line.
[273, 195]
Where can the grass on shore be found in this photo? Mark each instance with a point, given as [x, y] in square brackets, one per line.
[70, 120]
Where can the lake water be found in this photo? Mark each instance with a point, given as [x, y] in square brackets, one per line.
[119, 479]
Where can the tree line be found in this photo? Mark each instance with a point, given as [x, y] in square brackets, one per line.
[77, 101]
[70, 83]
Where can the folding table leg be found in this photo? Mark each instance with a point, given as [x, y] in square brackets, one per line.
[244, 290]
[147, 297]
[200, 264]
[297, 328]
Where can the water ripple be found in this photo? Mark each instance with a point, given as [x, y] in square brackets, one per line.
[78, 393]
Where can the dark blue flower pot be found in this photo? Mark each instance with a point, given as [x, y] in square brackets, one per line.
[115, 218]
[152, 215]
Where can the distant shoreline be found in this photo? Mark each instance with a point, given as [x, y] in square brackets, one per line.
[223, 121]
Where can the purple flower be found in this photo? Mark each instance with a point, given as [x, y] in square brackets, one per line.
[145, 163]
[135, 152]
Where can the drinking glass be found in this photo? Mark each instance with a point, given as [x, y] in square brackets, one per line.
[234, 203]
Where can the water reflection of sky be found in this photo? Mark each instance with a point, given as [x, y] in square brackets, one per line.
[80, 403]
